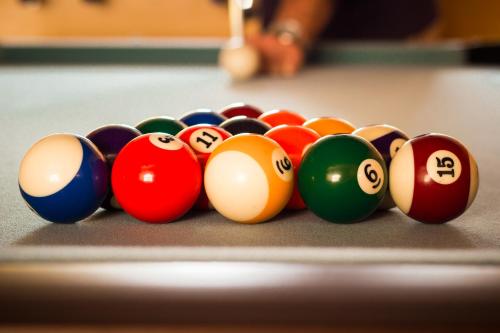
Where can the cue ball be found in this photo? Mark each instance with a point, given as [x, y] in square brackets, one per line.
[329, 125]
[342, 178]
[156, 178]
[387, 140]
[203, 139]
[294, 140]
[110, 139]
[249, 178]
[433, 178]
[63, 178]
[241, 62]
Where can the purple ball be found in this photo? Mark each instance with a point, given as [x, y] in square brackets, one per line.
[110, 140]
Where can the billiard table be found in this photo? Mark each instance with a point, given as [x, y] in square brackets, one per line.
[296, 270]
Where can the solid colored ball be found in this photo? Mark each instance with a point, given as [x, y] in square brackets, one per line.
[203, 139]
[242, 124]
[162, 124]
[110, 139]
[156, 178]
[63, 178]
[434, 178]
[249, 178]
[329, 125]
[387, 140]
[240, 62]
[294, 140]
[342, 178]
[202, 116]
[282, 117]
[240, 109]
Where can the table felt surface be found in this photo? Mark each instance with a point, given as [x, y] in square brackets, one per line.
[460, 101]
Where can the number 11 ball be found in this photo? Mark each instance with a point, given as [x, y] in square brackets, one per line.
[342, 178]
[433, 178]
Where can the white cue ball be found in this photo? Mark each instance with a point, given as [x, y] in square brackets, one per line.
[240, 62]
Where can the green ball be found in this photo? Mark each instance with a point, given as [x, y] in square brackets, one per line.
[162, 124]
[342, 178]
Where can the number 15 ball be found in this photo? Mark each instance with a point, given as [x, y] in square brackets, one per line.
[434, 178]
[249, 178]
[342, 178]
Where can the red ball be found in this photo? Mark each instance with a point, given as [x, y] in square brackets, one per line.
[156, 178]
[282, 117]
[203, 139]
[241, 109]
[294, 140]
[433, 178]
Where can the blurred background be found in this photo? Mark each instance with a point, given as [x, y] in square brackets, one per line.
[477, 20]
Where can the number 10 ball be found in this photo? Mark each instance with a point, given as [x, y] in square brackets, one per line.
[342, 178]
[434, 178]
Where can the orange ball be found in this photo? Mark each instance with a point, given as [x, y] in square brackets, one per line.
[294, 140]
[329, 125]
[282, 117]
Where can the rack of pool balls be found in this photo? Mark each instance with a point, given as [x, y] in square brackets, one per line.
[248, 165]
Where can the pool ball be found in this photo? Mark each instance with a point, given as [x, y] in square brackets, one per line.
[282, 117]
[433, 178]
[156, 178]
[241, 62]
[294, 140]
[110, 139]
[242, 124]
[203, 139]
[329, 125]
[63, 178]
[342, 178]
[249, 178]
[387, 140]
[202, 116]
[162, 124]
[240, 109]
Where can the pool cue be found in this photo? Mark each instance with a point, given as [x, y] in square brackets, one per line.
[236, 24]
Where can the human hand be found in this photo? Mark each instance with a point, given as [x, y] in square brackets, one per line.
[278, 58]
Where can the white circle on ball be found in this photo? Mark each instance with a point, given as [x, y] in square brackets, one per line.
[236, 185]
[165, 141]
[395, 146]
[205, 140]
[282, 165]
[370, 176]
[444, 167]
[50, 165]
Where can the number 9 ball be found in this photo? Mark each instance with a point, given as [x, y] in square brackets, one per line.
[342, 178]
